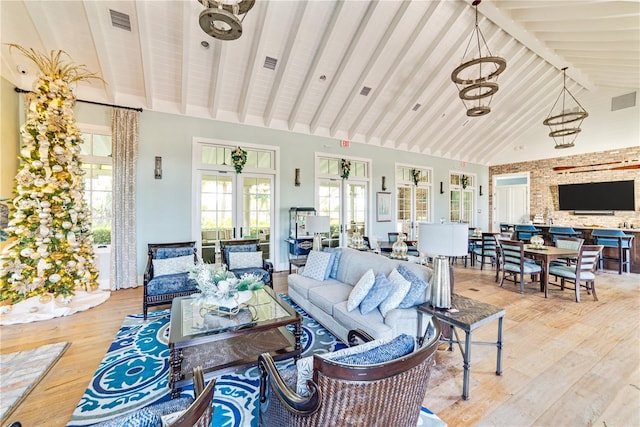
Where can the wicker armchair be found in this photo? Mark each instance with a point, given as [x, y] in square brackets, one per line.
[386, 394]
[161, 290]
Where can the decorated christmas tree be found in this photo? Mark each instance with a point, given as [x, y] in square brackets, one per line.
[51, 245]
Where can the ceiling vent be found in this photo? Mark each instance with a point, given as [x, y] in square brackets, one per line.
[120, 20]
[415, 107]
[623, 101]
[365, 91]
[270, 63]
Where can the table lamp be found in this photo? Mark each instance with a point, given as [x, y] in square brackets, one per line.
[442, 241]
[315, 225]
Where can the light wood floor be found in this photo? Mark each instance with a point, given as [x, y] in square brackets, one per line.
[564, 364]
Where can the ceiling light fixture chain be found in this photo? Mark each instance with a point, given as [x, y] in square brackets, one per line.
[557, 119]
[472, 87]
[222, 19]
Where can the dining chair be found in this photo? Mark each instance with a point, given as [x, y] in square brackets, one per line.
[574, 243]
[392, 236]
[515, 265]
[583, 272]
[487, 252]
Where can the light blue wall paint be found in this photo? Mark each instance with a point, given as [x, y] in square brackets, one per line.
[165, 208]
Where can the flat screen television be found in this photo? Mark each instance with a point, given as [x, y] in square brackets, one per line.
[597, 196]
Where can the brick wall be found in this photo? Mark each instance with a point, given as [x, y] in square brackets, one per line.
[544, 181]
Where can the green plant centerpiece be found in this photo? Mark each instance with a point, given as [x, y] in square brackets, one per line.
[220, 290]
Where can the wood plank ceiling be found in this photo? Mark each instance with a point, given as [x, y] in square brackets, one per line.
[376, 72]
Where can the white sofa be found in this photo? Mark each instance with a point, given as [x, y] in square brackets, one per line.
[326, 300]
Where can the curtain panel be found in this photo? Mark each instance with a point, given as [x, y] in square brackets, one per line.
[124, 125]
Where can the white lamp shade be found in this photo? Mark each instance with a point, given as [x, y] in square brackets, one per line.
[317, 224]
[443, 239]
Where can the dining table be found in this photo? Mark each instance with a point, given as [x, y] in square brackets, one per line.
[546, 254]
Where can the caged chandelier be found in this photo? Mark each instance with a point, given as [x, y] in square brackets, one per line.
[222, 18]
[477, 78]
[564, 120]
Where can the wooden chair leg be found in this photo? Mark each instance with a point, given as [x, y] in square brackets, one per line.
[593, 290]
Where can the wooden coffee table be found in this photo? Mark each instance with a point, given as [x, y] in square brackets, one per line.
[220, 343]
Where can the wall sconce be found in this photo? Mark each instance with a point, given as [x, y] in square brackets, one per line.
[384, 183]
[297, 178]
[441, 187]
[158, 168]
[481, 190]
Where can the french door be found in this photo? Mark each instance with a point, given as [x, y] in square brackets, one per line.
[234, 206]
[346, 205]
[230, 205]
[412, 208]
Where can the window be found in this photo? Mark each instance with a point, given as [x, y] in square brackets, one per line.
[462, 198]
[95, 155]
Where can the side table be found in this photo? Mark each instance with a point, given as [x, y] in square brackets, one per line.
[470, 316]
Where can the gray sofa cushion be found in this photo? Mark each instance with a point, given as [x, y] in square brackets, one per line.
[302, 284]
[354, 263]
[372, 323]
[326, 296]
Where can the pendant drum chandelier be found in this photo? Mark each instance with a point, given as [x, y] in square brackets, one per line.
[564, 120]
[222, 19]
[476, 78]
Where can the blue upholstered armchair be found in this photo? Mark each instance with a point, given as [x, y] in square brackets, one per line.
[166, 274]
[525, 232]
[244, 256]
[621, 242]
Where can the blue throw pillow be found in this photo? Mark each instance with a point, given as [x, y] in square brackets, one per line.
[381, 289]
[394, 349]
[333, 274]
[332, 260]
[417, 293]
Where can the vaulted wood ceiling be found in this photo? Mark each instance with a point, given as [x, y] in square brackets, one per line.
[329, 52]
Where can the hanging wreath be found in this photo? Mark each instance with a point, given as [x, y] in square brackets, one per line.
[239, 157]
[415, 174]
[345, 167]
[465, 181]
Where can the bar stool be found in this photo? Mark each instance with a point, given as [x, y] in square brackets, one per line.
[525, 232]
[618, 240]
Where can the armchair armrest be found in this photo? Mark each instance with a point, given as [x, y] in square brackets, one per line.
[291, 400]
[355, 336]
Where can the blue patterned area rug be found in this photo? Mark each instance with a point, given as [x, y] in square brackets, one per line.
[134, 373]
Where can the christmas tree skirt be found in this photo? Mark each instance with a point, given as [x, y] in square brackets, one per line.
[32, 310]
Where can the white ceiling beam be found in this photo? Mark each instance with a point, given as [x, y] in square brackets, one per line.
[282, 69]
[417, 93]
[254, 61]
[373, 58]
[346, 58]
[504, 21]
[388, 77]
[186, 59]
[392, 105]
[95, 14]
[144, 35]
[215, 85]
[313, 69]
[595, 26]
[576, 10]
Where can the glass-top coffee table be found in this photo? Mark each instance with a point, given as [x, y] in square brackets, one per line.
[220, 343]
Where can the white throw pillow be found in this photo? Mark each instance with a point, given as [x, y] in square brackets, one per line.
[401, 287]
[179, 264]
[242, 259]
[317, 265]
[360, 290]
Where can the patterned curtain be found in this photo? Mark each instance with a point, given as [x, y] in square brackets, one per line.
[124, 124]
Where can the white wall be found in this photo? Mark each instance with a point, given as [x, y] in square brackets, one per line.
[165, 208]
